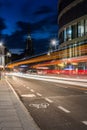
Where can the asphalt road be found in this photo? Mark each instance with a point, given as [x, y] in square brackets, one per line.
[53, 106]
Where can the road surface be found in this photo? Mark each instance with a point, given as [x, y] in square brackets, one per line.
[53, 106]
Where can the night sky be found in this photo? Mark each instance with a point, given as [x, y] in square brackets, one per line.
[20, 17]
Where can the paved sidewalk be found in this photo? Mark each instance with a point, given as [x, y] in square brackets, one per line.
[13, 114]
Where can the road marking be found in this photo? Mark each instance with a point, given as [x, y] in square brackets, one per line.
[32, 90]
[28, 95]
[41, 105]
[63, 109]
[27, 87]
[47, 99]
[39, 94]
[85, 92]
[84, 122]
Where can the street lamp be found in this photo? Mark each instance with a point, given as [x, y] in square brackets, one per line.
[7, 58]
[1, 44]
[54, 43]
[8, 54]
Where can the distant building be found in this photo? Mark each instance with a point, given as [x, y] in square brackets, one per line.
[5, 56]
[29, 46]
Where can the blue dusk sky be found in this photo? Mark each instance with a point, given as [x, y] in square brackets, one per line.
[20, 17]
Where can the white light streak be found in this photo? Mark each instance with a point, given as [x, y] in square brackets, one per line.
[84, 122]
[70, 81]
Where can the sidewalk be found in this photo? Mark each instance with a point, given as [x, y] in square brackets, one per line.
[13, 114]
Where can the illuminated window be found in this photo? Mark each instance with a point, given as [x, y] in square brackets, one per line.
[81, 28]
[86, 26]
[68, 33]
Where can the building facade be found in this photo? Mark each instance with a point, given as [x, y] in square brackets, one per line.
[5, 56]
[72, 20]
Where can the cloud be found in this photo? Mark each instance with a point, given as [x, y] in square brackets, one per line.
[23, 26]
[41, 34]
[40, 46]
[2, 24]
[6, 4]
[15, 40]
[43, 10]
[37, 18]
[1, 4]
[45, 28]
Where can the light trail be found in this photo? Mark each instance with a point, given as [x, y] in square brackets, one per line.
[77, 82]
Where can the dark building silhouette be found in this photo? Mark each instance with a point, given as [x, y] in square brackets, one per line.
[29, 46]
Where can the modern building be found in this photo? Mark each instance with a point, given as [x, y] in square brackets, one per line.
[72, 20]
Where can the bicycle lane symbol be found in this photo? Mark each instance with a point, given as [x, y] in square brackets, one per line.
[38, 106]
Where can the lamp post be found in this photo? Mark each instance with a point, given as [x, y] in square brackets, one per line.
[2, 56]
[53, 46]
[54, 43]
[8, 55]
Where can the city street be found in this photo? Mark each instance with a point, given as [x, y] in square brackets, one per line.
[53, 106]
[43, 65]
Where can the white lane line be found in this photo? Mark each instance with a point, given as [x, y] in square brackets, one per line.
[84, 122]
[47, 99]
[63, 109]
[27, 87]
[32, 90]
[28, 95]
[85, 92]
[39, 94]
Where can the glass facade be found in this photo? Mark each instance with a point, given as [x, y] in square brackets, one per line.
[81, 27]
[86, 26]
[73, 35]
[68, 33]
[76, 30]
